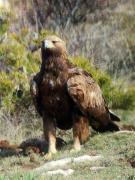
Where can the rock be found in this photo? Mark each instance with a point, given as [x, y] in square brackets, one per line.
[62, 162]
[60, 172]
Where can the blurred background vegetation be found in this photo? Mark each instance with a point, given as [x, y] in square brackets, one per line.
[100, 37]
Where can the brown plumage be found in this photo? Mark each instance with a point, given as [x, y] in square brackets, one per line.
[68, 97]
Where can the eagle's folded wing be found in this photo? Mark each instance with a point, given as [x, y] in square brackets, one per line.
[85, 92]
[87, 96]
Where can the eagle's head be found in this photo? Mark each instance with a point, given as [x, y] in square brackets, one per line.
[53, 46]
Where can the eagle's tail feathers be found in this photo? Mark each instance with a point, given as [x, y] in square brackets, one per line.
[113, 116]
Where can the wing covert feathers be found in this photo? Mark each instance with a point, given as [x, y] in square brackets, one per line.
[87, 95]
[85, 92]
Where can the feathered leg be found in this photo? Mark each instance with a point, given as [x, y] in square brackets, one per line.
[80, 130]
[50, 133]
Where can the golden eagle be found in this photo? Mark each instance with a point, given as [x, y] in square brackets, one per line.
[67, 97]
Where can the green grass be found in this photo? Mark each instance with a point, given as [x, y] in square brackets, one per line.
[117, 150]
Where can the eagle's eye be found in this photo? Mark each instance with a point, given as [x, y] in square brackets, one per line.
[54, 42]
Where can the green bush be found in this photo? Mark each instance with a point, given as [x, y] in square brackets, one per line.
[20, 65]
[5, 17]
[116, 96]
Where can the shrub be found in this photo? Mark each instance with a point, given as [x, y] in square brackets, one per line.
[19, 65]
[115, 94]
[16, 67]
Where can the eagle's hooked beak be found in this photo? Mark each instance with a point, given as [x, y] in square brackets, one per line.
[48, 44]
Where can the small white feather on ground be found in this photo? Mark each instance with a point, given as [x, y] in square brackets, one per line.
[62, 162]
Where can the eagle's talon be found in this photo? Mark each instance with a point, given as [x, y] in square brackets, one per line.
[48, 156]
[73, 150]
[77, 148]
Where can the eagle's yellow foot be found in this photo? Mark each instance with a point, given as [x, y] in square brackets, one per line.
[73, 150]
[77, 145]
[77, 148]
[49, 155]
